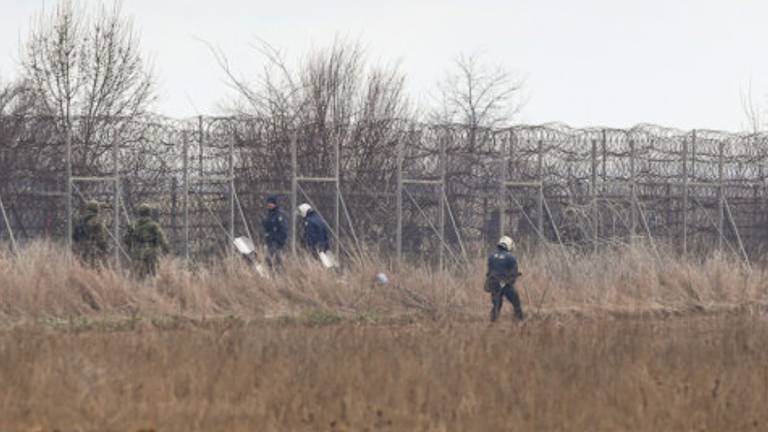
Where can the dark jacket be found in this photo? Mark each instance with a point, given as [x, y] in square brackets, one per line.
[275, 228]
[316, 235]
[502, 266]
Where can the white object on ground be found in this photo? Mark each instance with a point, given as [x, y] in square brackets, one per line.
[382, 278]
[260, 270]
[328, 260]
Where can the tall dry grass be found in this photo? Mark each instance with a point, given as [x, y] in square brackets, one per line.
[220, 349]
[43, 283]
[680, 374]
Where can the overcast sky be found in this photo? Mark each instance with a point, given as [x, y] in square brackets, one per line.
[682, 63]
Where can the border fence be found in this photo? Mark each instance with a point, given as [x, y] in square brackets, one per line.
[403, 190]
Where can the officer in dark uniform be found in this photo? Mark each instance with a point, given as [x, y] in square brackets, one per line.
[500, 280]
[316, 237]
[275, 232]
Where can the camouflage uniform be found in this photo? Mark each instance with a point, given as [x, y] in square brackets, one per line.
[89, 236]
[146, 242]
[570, 229]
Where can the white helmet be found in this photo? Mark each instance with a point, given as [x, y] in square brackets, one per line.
[382, 279]
[304, 209]
[506, 243]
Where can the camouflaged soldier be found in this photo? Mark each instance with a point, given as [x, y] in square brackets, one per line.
[89, 236]
[146, 242]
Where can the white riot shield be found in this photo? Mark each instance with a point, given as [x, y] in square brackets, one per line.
[245, 246]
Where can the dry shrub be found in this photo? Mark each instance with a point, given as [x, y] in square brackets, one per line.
[43, 283]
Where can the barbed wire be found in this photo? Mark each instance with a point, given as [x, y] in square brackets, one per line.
[676, 177]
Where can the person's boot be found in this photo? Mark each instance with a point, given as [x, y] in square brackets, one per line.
[517, 305]
[494, 313]
[495, 310]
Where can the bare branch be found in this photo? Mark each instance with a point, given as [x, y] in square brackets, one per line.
[87, 63]
[477, 95]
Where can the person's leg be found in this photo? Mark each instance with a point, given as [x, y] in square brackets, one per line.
[152, 266]
[492, 285]
[271, 257]
[278, 258]
[150, 262]
[511, 294]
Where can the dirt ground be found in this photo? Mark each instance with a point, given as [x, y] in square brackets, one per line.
[575, 374]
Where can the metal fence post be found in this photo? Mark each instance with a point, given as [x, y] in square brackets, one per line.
[200, 144]
[186, 195]
[604, 173]
[540, 178]
[720, 197]
[399, 199]
[14, 247]
[294, 187]
[68, 144]
[593, 182]
[441, 199]
[337, 197]
[231, 162]
[504, 177]
[116, 198]
[632, 192]
[685, 194]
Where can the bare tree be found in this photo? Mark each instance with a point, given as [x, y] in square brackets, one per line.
[752, 110]
[15, 104]
[12, 98]
[332, 95]
[85, 70]
[335, 85]
[10, 127]
[475, 97]
[475, 94]
[331, 98]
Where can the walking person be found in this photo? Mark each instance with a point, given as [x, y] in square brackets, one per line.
[501, 277]
[89, 236]
[316, 236]
[146, 243]
[275, 232]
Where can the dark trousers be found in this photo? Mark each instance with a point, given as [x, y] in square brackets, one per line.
[274, 256]
[498, 291]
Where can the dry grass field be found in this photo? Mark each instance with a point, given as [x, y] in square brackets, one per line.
[624, 340]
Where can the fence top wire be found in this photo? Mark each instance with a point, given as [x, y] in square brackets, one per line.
[566, 151]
